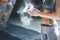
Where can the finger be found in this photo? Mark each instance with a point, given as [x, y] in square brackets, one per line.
[29, 9]
[30, 13]
[37, 10]
[34, 13]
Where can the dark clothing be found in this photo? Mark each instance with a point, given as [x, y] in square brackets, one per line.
[49, 5]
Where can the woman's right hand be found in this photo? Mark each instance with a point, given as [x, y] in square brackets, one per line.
[34, 12]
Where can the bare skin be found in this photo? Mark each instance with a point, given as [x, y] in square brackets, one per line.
[56, 15]
[3, 2]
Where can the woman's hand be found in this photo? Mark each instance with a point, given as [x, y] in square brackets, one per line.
[34, 12]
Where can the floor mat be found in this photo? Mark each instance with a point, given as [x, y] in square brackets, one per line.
[22, 33]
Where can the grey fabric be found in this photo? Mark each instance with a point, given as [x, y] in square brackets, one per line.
[49, 4]
[47, 33]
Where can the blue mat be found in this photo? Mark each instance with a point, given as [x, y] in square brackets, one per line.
[22, 33]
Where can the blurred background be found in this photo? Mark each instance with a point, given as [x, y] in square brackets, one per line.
[28, 29]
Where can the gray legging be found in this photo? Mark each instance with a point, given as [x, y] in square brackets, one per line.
[47, 33]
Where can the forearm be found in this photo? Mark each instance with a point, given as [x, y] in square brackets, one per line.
[50, 15]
